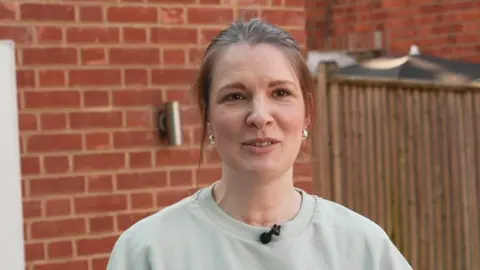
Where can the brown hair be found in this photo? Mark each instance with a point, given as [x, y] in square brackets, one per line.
[254, 31]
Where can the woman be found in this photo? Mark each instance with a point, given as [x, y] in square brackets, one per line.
[255, 93]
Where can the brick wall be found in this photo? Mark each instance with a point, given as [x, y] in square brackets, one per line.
[90, 75]
[444, 28]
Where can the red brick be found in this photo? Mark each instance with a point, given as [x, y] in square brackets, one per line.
[174, 57]
[172, 15]
[207, 35]
[171, 1]
[144, 200]
[173, 36]
[134, 139]
[52, 121]
[93, 98]
[134, 35]
[54, 142]
[136, 77]
[138, 97]
[30, 165]
[85, 120]
[70, 265]
[25, 78]
[285, 17]
[49, 56]
[140, 160]
[95, 77]
[100, 263]
[27, 121]
[191, 116]
[6, 12]
[19, 34]
[56, 164]
[60, 249]
[169, 197]
[249, 3]
[52, 99]
[97, 162]
[206, 176]
[132, 14]
[93, 35]
[57, 207]
[34, 251]
[100, 183]
[100, 204]
[51, 78]
[49, 34]
[146, 56]
[210, 15]
[167, 157]
[94, 246]
[181, 178]
[101, 224]
[47, 12]
[58, 185]
[211, 2]
[183, 96]
[94, 56]
[58, 228]
[126, 220]
[98, 141]
[91, 13]
[32, 209]
[140, 119]
[173, 76]
[141, 180]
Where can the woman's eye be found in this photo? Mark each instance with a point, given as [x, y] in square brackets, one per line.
[281, 93]
[233, 97]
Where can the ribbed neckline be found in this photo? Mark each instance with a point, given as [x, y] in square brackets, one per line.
[252, 233]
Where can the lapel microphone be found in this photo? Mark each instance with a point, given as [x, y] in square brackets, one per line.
[266, 237]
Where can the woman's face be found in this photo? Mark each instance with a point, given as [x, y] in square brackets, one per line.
[257, 111]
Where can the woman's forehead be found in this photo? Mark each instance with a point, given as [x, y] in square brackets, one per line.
[261, 62]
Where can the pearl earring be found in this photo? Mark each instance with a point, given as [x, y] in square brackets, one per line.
[211, 139]
[305, 134]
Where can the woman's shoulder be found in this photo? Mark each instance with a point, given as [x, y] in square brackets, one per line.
[339, 217]
[158, 225]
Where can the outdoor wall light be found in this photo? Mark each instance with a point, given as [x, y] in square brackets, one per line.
[170, 123]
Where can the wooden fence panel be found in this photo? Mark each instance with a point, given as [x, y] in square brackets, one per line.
[406, 155]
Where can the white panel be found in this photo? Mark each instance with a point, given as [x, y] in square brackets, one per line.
[11, 226]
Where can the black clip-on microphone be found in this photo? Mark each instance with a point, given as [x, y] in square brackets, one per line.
[266, 237]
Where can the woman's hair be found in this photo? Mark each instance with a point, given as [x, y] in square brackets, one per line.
[253, 32]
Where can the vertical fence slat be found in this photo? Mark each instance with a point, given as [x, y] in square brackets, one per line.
[411, 162]
[336, 148]
[446, 177]
[430, 226]
[434, 138]
[403, 170]
[469, 190]
[348, 133]
[370, 154]
[379, 115]
[455, 149]
[386, 158]
[321, 147]
[475, 189]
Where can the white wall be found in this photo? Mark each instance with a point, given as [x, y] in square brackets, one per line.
[11, 217]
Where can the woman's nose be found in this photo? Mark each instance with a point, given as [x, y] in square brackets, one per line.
[259, 115]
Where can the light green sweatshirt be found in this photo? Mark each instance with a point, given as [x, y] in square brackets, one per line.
[195, 234]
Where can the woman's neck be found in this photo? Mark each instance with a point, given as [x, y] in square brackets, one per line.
[258, 202]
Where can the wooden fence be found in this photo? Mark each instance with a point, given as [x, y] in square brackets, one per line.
[407, 155]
